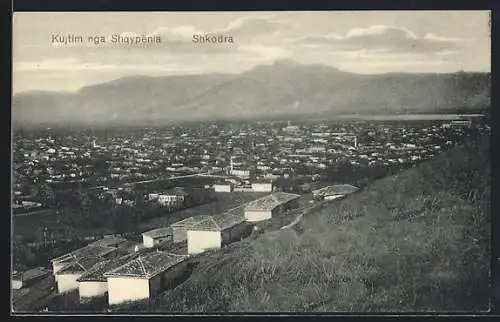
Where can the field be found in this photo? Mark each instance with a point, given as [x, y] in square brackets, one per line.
[413, 242]
[31, 227]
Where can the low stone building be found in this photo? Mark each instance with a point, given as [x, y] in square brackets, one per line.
[20, 280]
[179, 229]
[214, 232]
[67, 277]
[264, 208]
[144, 277]
[93, 283]
[334, 192]
[156, 236]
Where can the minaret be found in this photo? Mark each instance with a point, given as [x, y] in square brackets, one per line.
[231, 164]
[355, 141]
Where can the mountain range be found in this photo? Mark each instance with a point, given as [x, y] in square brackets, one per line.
[284, 89]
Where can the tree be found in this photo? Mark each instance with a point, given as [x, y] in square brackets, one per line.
[46, 195]
[123, 220]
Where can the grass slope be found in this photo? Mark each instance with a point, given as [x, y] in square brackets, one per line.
[416, 241]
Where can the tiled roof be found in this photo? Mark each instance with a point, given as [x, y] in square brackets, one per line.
[31, 273]
[222, 221]
[160, 232]
[148, 265]
[230, 219]
[88, 251]
[271, 201]
[79, 265]
[96, 273]
[190, 221]
[177, 191]
[264, 181]
[207, 223]
[223, 183]
[284, 197]
[111, 240]
[341, 189]
[174, 248]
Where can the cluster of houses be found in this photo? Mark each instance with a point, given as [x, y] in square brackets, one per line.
[126, 271]
[235, 185]
[204, 232]
[173, 199]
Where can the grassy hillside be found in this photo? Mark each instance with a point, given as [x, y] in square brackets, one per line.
[416, 241]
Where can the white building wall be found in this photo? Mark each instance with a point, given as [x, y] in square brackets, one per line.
[56, 267]
[67, 282]
[17, 284]
[92, 288]
[123, 289]
[254, 215]
[333, 197]
[244, 174]
[173, 200]
[200, 241]
[148, 241]
[223, 188]
[262, 187]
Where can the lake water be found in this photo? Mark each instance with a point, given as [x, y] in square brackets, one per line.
[408, 117]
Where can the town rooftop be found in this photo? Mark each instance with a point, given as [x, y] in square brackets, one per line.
[159, 232]
[271, 201]
[147, 266]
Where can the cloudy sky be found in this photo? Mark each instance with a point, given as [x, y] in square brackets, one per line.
[362, 42]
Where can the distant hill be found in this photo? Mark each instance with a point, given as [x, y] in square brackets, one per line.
[418, 241]
[284, 88]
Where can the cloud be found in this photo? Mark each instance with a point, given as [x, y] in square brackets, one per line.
[377, 37]
[242, 31]
[380, 31]
[254, 26]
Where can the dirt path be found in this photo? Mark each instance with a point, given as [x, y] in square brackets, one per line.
[305, 211]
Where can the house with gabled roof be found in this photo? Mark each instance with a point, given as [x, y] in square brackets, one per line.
[334, 192]
[179, 229]
[156, 236]
[20, 280]
[264, 208]
[110, 241]
[90, 251]
[174, 197]
[93, 283]
[214, 232]
[144, 276]
[68, 275]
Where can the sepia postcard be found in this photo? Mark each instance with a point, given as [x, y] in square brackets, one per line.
[257, 162]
